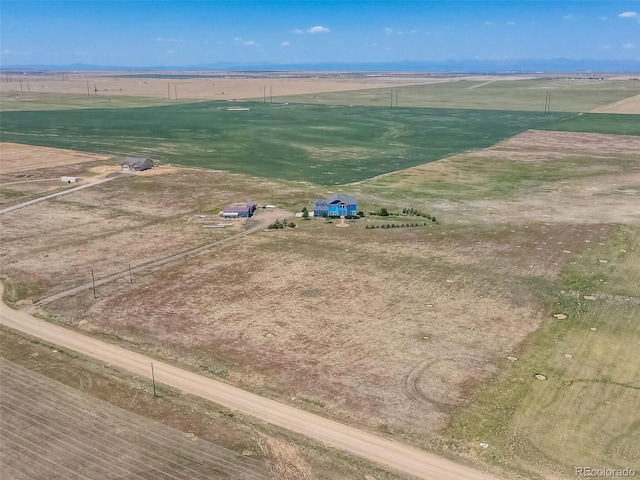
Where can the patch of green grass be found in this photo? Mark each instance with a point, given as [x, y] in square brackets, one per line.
[591, 363]
[531, 95]
[614, 124]
[472, 178]
[315, 143]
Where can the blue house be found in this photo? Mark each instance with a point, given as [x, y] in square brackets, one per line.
[335, 206]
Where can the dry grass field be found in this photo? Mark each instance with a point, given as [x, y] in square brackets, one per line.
[16, 158]
[90, 439]
[394, 330]
[432, 334]
[229, 87]
[174, 435]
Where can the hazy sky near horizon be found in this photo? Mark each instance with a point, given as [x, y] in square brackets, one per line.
[183, 33]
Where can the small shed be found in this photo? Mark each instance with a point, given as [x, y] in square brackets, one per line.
[69, 179]
[136, 164]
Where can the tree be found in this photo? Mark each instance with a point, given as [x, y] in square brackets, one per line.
[305, 213]
[383, 212]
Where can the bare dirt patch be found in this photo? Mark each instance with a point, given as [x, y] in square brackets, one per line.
[628, 105]
[21, 158]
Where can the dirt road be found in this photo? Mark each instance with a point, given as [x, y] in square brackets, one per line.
[393, 455]
[58, 194]
[254, 224]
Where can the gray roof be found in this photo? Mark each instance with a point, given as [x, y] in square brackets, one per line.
[348, 199]
[324, 202]
[235, 209]
[136, 161]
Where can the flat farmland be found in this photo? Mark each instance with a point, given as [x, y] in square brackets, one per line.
[53, 431]
[566, 95]
[52, 246]
[393, 330]
[320, 144]
[121, 89]
[226, 444]
[580, 411]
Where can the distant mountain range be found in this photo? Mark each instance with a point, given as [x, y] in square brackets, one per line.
[559, 65]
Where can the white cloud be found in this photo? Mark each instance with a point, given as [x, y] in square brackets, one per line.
[169, 40]
[628, 46]
[388, 30]
[511, 23]
[628, 15]
[237, 39]
[285, 44]
[318, 29]
[298, 31]
[249, 42]
[488, 24]
[602, 18]
[569, 17]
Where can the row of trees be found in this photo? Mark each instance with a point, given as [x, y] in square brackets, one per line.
[415, 212]
[396, 225]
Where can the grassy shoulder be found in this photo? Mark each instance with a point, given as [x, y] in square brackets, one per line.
[577, 411]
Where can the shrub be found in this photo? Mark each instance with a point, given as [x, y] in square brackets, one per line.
[383, 212]
[291, 225]
[433, 219]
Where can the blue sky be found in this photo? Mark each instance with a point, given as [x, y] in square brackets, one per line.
[182, 33]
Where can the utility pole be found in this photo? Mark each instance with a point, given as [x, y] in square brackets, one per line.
[153, 380]
[93, 281]
[169, 91]
[175, 90]
[270, 94]
[88, 94]
[264, 94]
[130, 276]
[549, 103]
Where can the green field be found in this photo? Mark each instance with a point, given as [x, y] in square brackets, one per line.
[528, 95]
[609, 123]
[585, 412]
[317, 143]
